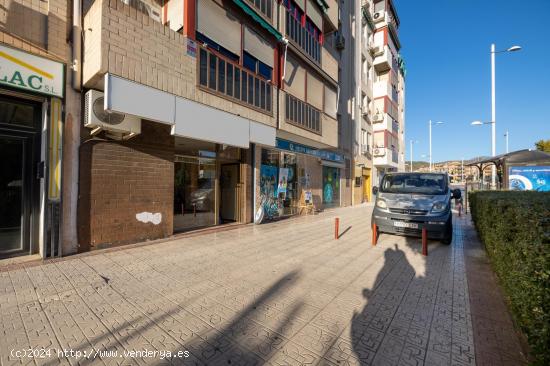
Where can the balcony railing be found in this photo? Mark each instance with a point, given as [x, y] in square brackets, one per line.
[233, 82]
[303, 115]
[302, 37]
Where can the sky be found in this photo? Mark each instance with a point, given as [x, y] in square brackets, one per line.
[446, 47]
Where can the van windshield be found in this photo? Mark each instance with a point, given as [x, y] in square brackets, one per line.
[414, 183]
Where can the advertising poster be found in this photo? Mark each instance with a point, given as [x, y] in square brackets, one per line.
[529, 178]
[268, 180]
[283, 181]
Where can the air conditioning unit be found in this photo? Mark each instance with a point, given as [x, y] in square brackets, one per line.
[378, 117]
[376, 50]
[340, 42]
[379, 16]
[147, 7]
[379, 151]
[116, 125]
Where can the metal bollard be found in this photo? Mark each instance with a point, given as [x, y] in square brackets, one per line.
[424, 242]
[374, 235]
[336, 227]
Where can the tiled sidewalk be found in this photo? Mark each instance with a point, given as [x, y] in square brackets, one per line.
[285, 293]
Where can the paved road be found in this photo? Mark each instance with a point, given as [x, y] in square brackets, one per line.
[284, 293]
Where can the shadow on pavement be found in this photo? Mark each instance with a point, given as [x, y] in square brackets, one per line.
[233, 345]
[393, 327]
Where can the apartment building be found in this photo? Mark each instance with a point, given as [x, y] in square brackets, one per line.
[39, 117]
[198, 110]
[388, 107]
[372, 102]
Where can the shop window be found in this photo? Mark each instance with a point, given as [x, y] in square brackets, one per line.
[331, 186]
[279, 179]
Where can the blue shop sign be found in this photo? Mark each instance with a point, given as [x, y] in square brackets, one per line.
[302, 149]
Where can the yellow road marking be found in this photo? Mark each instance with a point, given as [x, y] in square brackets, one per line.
[24, 64]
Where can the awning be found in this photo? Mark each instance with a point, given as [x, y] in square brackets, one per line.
[248, 10]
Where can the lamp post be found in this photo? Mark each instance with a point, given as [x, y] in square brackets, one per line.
[462, 175]
[430, 123]
[415, 142]
[493, 105]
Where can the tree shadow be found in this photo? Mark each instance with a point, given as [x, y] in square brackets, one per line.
[402, 314]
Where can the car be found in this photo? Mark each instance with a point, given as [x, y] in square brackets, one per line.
[408, 202]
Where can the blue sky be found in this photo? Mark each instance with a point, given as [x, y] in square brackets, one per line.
[446, 46]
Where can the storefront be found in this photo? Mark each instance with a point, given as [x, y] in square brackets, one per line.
[208, 186]
[292, 174]
[31, 92]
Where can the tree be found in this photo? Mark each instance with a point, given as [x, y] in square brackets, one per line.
[543, 145]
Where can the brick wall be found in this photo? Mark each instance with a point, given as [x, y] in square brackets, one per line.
[121, 179]
[40, 27]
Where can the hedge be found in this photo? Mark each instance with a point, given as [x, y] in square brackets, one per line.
[515, 229]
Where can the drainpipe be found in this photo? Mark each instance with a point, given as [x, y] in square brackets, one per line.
[76, 69]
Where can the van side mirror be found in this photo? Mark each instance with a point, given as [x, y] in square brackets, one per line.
[375, 190]
[456, 194]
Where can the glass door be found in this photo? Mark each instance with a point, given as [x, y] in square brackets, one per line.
[11, 195]
[194, 193]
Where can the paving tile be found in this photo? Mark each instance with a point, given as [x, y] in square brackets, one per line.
[284, 293]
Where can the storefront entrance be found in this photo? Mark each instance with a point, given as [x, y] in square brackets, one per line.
[19, 185]
[366, 185]
[207, 185]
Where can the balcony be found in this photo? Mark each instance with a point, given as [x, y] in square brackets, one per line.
[382, 89]
[307, 123]
[384, 61]
[365, 150]
[126, 43]
[382, 122]
[385, 157]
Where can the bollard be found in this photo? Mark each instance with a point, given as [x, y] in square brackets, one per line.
[424, 242]
[374, 235]
[336, 226]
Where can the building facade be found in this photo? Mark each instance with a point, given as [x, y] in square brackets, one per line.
[372, 104]
[132, 120]
[227, 105]
[388, 90]
[39, 118]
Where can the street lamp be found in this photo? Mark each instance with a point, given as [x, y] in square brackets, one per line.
[437, 123]
[416, 142]
[493, 105]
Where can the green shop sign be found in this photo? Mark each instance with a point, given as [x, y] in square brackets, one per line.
[35, 74]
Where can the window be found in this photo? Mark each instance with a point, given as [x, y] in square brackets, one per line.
[264, 6]
[304, 30]
[233, 81]
[302, 114]
[215, 46]
[256, 66]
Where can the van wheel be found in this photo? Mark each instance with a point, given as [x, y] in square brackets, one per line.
[448, 238]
